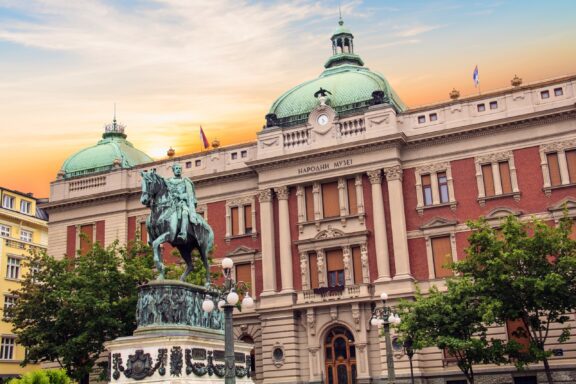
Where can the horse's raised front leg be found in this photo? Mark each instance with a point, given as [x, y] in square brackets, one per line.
[158, 254]
[204, 256]
[186, 253]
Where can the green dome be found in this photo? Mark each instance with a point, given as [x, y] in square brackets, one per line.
[112, 151]
[351, 87]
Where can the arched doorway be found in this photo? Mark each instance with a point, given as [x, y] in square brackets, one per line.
[249, 340]
[339, 356]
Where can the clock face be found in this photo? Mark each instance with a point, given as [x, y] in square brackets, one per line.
[322, 120]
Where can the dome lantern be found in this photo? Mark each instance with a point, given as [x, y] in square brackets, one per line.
[343, 48]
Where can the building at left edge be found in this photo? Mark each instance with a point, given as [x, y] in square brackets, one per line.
[23, 227]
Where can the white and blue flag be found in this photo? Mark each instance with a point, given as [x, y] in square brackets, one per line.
[476, 77]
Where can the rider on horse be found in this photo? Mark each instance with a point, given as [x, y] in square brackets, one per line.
[182, 191]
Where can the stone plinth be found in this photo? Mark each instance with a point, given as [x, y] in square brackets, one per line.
[175, 341]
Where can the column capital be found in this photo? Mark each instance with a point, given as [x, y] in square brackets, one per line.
[282, 192]
[265, 195]
[375, 176]
[393, 173]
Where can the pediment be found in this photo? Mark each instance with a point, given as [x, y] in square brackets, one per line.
[502, 212]
[329, 233]
[567, 202]
[242, 250]
[439, 222]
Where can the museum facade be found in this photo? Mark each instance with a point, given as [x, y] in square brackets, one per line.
[346, 193]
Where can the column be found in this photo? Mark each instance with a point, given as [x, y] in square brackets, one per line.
[321, 268]
[317, 205]
[282, 194]
[397, 216]
[563, 165]
[497, 179]
[342, 197]
[267, 230]
[304, 270]
[348, 272]
[380, 239]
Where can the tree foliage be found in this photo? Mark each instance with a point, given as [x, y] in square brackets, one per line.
[68, 308]
[42, 376]
[528, 270]
[453, 321]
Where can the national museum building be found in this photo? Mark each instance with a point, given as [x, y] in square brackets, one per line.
[346, 193]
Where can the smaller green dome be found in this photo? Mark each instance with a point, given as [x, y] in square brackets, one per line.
[113, 151]
[341, 30]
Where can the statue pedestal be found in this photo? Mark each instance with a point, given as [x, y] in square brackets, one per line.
[175, 340]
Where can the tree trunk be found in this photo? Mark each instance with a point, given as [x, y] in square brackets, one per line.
[85, 379]
[547, 370]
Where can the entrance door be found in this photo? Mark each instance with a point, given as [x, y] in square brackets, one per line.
[340, 356]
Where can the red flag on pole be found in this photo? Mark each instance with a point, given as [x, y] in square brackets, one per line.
[203, 138]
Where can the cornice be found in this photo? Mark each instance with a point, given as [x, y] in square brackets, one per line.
[115, 195]
[236, 174]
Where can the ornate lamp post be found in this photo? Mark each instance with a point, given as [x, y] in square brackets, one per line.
[384, 317]
[228, 300]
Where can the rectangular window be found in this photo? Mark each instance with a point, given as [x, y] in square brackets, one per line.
[493, 105]
[247, 219]
[244, 273]
[235, 221]
[143, 232]
[313, 262]
[7, 348]
[554, 168]
[505, 176]
[517, 332]
[433, 117]
[352, 198]
[488, 178]
[481, 107]
[188, 164]
[234, 155]
[558, 92]
[443, 187]
[427, 189]
[13, 268]
[335, 268]
[421, 119]
[26, 236]
[9, 301]
[442, 253]
[25, 206]
[525, 380]
[571, 162]
[357, 265]
[4, 230]
[309, 197]
[244, 154]
[330, 199]
[545, 94]
[8, 202]
[86, 238]
[198, 163]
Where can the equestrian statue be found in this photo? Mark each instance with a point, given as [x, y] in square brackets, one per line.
[173, 219]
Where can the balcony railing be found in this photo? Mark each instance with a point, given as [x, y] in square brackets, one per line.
[17, 244]
[334, 293]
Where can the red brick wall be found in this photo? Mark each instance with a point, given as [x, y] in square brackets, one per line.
[418, 258]
[294, 233]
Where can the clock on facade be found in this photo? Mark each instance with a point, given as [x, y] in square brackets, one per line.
[322, 119]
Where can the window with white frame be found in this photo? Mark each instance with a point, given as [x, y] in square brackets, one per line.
[8, 202]
[26, 236]
[9, 301]
[4, 230]
[440, 236]
[496, 176]
[434, 186]
[340, 198]
[558, 162]
[13, 268]
[7, 348]
[240, 217]
[25, 206]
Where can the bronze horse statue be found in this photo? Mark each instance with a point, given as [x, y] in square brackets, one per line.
[162, 226]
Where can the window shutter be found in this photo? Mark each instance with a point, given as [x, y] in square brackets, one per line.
[244, 273]
[234, 218]
[517, 332]
[427, 189]
[143, 232]
[71, 241]
[571, 161]
[132, 228]
[442, 252]
[554, 169]
[248, 218]
[309, 196]
[330, 199]
[100, 231]
[488, 180]
[357, 263]
[352, 198]
[86, 238]
[334, 260]
[505, 176]
[313, 263]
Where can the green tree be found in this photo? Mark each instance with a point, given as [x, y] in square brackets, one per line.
[68, 308]
[454, 322]
[42, 376]
[528, 270]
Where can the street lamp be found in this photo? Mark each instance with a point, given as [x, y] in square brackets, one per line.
[384, 317]
[228, 298]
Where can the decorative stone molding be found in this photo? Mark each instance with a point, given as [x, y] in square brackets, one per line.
[334, 312]
[304, 270]
[494, 159]
[265, 196]
[375, 176]
[364, 261]
[348, 272]
[559, 148]
[432, 170]
[240, 201]
[356, 316]
[557, 210]
[278, 355]
[393, 173]
[311, 321]
[282, 193]
[321, 270]
[329, 233]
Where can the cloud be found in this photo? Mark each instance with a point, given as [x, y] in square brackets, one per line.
[414, 30]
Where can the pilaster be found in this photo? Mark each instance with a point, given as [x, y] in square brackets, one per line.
[380, 239]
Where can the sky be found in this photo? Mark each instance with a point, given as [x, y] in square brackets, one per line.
[173, 65]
